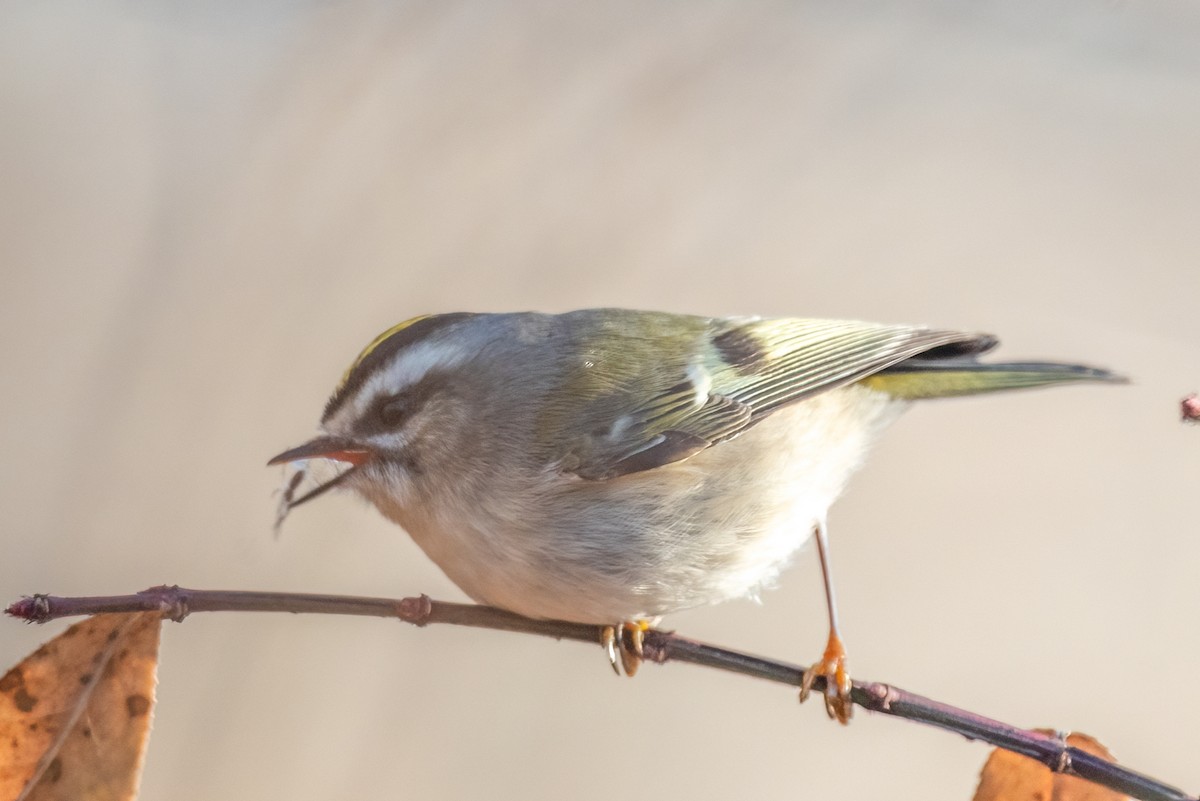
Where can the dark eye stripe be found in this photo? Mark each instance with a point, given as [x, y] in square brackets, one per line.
[382, 350]
[394, 412]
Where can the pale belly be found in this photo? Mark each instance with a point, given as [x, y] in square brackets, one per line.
[719, 525]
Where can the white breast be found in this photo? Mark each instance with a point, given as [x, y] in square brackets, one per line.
[716, 526]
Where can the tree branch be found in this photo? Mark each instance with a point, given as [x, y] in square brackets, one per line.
[177, 603]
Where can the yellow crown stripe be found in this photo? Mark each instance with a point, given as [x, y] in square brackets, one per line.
[377, 341]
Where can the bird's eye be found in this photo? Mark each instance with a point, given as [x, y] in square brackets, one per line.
[395, 411]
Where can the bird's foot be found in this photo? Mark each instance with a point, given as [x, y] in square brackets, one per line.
[832, 668]
[624, 643]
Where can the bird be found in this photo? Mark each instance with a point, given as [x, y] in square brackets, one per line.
[612, 466]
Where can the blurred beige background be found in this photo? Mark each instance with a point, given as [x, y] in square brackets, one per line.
[207, 209]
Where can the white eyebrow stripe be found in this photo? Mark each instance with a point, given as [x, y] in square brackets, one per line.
[404, 370]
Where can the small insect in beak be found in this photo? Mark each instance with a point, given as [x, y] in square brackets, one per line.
[324, 450]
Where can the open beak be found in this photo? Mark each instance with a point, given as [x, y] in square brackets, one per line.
[335, 448]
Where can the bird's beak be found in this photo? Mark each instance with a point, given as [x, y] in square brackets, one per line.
[335, 448]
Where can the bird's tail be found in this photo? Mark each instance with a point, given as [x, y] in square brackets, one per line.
[916, 378]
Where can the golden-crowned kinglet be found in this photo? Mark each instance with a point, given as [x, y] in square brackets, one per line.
[610, 466]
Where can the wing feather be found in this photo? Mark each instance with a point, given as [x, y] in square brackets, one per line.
[728, 375]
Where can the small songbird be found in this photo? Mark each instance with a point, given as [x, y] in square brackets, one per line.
[609, 466]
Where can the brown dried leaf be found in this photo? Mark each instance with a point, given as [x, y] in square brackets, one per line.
[75, 714]
[1011, 777]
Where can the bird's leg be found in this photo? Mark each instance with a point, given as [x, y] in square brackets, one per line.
[626, 639]
[833, 664]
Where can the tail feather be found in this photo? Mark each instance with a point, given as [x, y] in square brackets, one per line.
[916, 379]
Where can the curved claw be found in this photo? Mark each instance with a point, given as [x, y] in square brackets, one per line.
[624, 642]
[608, 641]
[832, 668]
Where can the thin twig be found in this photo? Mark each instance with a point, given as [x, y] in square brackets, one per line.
[177, 603]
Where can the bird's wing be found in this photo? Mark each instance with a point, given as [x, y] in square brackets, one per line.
[660, 405]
